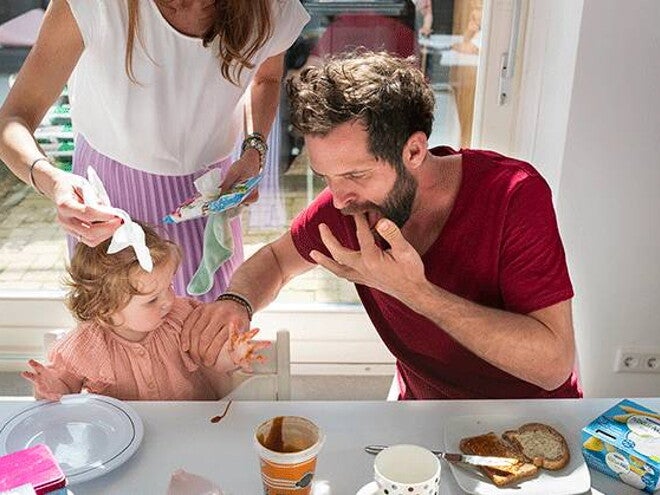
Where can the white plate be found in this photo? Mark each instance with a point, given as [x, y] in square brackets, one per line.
[572, 480]
[88, 434]
[368, 489]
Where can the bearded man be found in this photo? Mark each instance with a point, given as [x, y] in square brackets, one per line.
[456, 255]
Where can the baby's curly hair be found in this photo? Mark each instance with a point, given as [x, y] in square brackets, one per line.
[100, 284]
[387, 94]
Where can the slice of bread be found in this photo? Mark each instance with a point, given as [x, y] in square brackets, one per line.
[492, 445]
[540, 444]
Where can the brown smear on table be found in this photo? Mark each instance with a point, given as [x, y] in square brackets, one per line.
[216, 419]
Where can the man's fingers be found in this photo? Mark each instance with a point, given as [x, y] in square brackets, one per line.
[327, 263]
[212, 351]
[392, 235]
[339, 253]
[364, 236]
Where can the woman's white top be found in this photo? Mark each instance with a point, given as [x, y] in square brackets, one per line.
[182, 115]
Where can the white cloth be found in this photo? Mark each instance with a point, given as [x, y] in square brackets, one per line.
[183, 115]
[129, 233]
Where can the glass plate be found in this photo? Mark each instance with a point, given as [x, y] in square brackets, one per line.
[88, 434]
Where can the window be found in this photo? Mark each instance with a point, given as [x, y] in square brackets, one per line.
[453, 55]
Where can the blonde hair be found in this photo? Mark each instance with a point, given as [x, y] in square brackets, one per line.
[242, 26]
[101, 284]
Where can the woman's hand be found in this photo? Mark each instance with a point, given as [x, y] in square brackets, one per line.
[80, 211]
[47, 385]
[245, 167]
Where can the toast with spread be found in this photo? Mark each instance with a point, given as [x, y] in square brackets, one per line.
[535, 445]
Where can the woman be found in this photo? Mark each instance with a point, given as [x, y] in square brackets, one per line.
[158, 90]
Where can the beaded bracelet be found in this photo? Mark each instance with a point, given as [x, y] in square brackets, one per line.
[32, 182]
[256, 141]
[237, 298]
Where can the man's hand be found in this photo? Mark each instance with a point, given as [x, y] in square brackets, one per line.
[209, 326]
[47, 385]
[397, 271]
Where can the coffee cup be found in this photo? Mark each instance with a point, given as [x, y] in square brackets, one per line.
[407, 470]
[287, 448]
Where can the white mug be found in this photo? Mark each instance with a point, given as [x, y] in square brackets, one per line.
[407, 470]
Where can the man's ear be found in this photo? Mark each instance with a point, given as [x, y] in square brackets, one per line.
[415, 150]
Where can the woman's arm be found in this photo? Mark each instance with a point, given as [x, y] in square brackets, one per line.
[265, 97]
[39, 83]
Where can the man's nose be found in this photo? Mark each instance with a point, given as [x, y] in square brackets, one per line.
[342, 196]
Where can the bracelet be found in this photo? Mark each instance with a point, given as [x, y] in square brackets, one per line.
[237, 298]
[256, 141]
[32, 182]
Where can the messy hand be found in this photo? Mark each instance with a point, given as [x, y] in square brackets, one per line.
[397, 271]
[47, 385]
[209, 326]
[79, 212]
[245, 167]
[240, 350]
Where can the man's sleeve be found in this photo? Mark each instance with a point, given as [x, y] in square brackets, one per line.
[533, 271]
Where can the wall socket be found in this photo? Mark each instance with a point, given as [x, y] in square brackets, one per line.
[637, 361]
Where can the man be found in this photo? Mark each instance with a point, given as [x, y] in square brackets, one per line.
[456, 255]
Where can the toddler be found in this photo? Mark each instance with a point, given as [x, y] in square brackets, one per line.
[128, 341]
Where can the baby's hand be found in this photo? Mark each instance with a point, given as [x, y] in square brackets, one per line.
[241, 351]
[47, 385]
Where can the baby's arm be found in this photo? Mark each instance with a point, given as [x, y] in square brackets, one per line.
[51, 383]
[239, 351]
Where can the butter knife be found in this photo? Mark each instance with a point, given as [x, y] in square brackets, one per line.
[474, 460]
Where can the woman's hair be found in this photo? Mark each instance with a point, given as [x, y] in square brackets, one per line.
[242, 27]
[386, 94]
[100, 284]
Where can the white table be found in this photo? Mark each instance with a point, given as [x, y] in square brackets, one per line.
[180, 435]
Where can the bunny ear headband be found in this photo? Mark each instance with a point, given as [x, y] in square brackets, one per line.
[129, 234]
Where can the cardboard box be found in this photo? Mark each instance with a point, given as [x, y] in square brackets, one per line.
[624, 442]
[35, 466]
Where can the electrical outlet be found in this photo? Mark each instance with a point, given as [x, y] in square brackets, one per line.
[637, 361]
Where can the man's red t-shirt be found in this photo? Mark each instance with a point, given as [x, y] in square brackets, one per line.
[500, 247]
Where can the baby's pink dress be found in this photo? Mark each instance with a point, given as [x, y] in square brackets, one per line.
[156, 368]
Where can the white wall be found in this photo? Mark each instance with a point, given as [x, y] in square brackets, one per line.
[551, 38]
[609, 191]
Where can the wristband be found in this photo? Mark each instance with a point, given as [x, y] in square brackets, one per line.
[32, 182]
[256, 141]
[237, 298]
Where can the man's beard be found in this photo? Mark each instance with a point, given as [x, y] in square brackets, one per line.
[398, 203]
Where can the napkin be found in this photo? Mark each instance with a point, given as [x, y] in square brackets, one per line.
[129, 234]
[185, 483]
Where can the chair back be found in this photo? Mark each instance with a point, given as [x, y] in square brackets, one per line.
[271, 379]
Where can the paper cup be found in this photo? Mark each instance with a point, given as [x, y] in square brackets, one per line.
[287, 448]
[407, 470]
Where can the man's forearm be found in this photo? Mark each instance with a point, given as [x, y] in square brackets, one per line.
[519, 344]
[259, 279]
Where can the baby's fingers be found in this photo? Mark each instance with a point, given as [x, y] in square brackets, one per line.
[258, 345]
[28, 375]
[36, 366]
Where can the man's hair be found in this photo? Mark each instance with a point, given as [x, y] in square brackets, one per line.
[100, 284]
[386, 94]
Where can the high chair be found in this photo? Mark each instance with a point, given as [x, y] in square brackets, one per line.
[271, 379]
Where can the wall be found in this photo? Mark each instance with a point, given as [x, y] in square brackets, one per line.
[608, 196]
